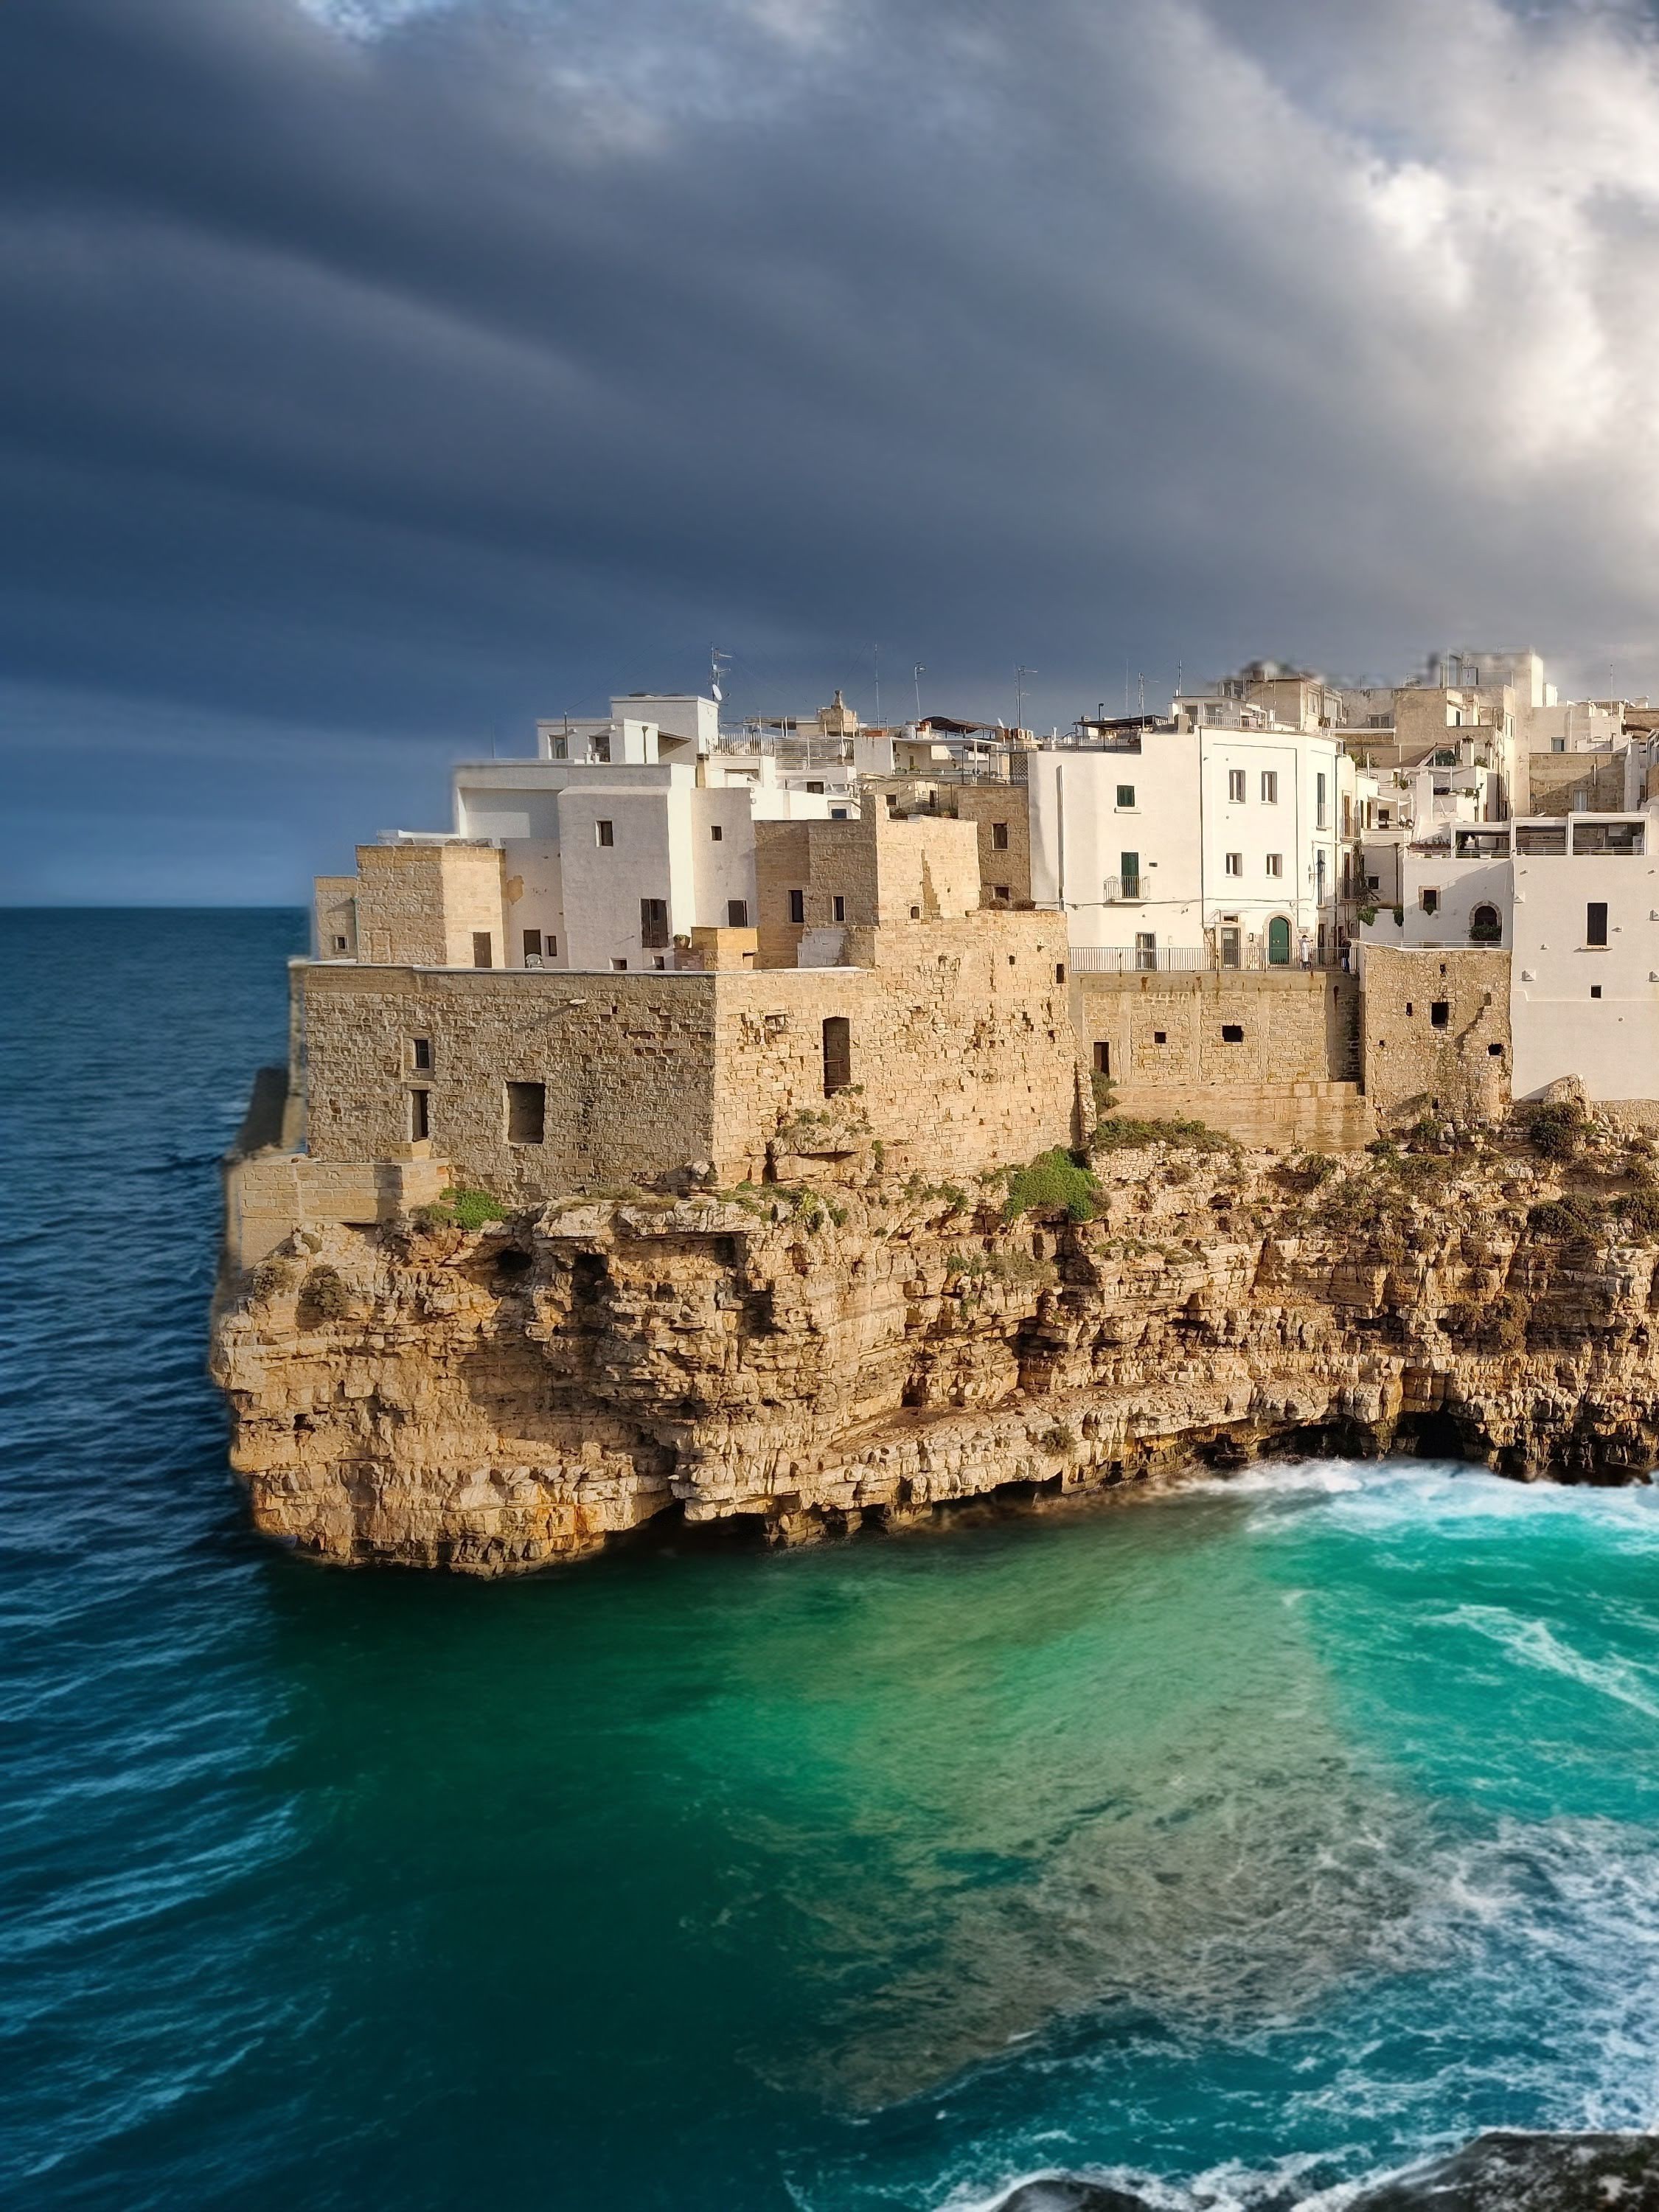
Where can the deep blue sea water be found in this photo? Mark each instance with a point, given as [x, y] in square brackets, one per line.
[1285, 1828]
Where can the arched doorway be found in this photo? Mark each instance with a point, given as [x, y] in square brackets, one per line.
[1278, 942]
[1485, 926]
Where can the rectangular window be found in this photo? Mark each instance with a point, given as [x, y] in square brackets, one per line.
[1232, 1033]
[840, 905]
[1596, 990]
[1429, 899]
[1126, 794]
[421, 1054]
[605, 833]
[1439, 1013]
[716, 833]
[1145, 951]
[1235, 785]
[1275, 864]
[1595, 922]
[339, 944]
[600, 748]
[1002, 893]
[620, 967]
[837, 1054]
[1319, 800]
[1128, 874]
[999, 837]
[1235, 864]
[552, 948]
[1102, 1058]
[561, 748]
[526, 1113]
[1270, 786]
[653, 924]
[532, 944]
[737, 914]
[797, 906]
[816, 789]
[420, 1115]
[483, 951]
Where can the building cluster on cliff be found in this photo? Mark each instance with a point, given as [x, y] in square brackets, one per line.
[659, 947]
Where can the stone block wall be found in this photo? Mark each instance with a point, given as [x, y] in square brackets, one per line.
[421, 904]
[1562, 783]
[1213, 1032]
[1437, 1032]
[882, 871]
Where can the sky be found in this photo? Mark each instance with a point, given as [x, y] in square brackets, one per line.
[378, 374]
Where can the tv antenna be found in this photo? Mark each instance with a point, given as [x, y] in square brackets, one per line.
[1021, 671]
[719, 662]
[916, 675]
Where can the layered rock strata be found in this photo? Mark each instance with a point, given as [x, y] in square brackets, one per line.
[492, 1401]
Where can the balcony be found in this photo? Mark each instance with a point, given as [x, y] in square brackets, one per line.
[1121, 890]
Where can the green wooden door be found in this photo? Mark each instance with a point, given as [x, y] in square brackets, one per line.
[1278, 942]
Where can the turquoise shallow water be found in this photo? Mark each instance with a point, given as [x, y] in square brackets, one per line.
[1283, 1828]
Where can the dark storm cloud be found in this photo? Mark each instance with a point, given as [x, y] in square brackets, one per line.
[373, 378]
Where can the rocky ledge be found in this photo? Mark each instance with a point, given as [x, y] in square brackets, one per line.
[1502, 2172]
[802, 1363]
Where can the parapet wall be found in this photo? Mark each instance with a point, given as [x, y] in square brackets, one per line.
[1216, 1030]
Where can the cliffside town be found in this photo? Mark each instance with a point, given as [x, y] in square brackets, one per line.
[852, 1172]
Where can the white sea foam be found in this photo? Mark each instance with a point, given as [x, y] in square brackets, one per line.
[1387, 1494]
[1535, 1643]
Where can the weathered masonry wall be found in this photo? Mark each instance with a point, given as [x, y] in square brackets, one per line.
[880, 872]
[958, 1051]
[1562, 783]
[423, 904]
[1179, 1029]
[1436, 1032]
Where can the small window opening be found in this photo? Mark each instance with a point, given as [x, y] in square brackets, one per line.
[1002, 893]
[620, 967]
[1440, 1014]
[526, 1113]
[605, 833]
[716, 833]
[1126, 794]
[653, 924]
[1410, 1009]
[837, 1053]
[815, 790]
[1596, 990]
[532, 944]
[1430, 900]
[1060, 971]
[1595, 922]
[420, 1115]
[483, 951]
[1496, 1051]
[1000, 836]
[1160, 1036]
[797, 906]
[840, 906]
[1102, 1058]
[339, 944]
[1235, 786]
[737, 914]
[1232, 1033]
[916, 913]
[422, 1054]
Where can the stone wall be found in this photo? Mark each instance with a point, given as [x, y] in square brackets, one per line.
[421, 904]
[1295, 1027]
[961, 1058]
[882, 871]
[1437, 1032]
[1562, 783]
[335, 916]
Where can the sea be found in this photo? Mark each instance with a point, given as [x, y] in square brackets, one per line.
[1240, 1841]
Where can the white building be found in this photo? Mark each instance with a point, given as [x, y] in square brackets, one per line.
[1584, 962]
[627, 832]
[1194, 846]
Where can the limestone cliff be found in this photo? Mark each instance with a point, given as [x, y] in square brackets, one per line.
[489, 1401]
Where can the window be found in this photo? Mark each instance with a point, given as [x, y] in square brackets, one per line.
[421, 1054]
[1060, 971]
[1275, 864]
[1410, 1009]
[1235, 864]
[716, 833]
[552, 948]
[1145, 951]
[1270, 786]
[737, 914]
[797, 906]
[838, 814]
[526, 1113]
[1128, 872]
[839, 904]
[999, 837]
[532, 944]
[1160, 1036]
[1596, 990]
[484, 954]
[1103, 1057]
[1485, 926]
[653, 924]
[1595, 922]
[1429, 899]
[605, 833]
[1002, 892]
[1319, 800]
[1126, 794]
[1496, 1051]
[916, 913]
[1232, 1033]
[600, 747]
[1235, 785]
[561, 748]
[837, 1053]
[1230, 947]
[817, 789]
[420, 1115]
[1373, 883]
[339, 944]
[1440, 1013]
[620, 966]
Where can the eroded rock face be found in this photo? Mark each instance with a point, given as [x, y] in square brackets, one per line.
[1505, 2171]
[493, 1402]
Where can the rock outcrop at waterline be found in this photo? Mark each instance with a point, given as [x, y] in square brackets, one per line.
[492, 1400]
[1505, 2171]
